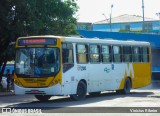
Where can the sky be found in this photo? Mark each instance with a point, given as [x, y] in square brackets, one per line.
[92, 10]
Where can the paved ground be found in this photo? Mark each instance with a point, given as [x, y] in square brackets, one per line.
[6, 93]
[140, 100]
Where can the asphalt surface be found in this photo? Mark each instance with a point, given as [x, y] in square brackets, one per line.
[107, 102]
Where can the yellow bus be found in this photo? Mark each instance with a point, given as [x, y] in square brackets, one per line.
[48, 66]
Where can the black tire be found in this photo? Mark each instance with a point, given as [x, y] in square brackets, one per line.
[43, 98]
[95, 93]
[81, 92]
[127, 87]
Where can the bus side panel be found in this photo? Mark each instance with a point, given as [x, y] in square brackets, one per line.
[120, 72]
[101, 77]
[108, 76]
[142, 73]
[69, 81]
[139, 73]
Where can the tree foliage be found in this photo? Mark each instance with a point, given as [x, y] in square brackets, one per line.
[33, 17]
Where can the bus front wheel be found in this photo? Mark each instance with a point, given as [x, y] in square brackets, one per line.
[81, 92]
[43, 98]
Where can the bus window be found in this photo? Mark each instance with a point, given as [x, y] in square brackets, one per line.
[37, 62]
[67, 56]
[145, 54]
[67, 53]
[127, 54]
[94, 53]
[82, 53]
[136, 54]
[106, 54]
[117, 54]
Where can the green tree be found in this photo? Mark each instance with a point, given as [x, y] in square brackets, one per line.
[33, 17]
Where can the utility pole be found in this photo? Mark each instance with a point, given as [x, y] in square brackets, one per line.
[111, 18]
[158, 14]
[143, 15]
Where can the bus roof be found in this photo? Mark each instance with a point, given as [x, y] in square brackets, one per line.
[94, 40]
[105, 41]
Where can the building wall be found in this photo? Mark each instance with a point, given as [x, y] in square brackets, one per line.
[150, 26]
[156, 26]
[84, 26]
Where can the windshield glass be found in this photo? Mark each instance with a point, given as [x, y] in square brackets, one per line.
[37, 62]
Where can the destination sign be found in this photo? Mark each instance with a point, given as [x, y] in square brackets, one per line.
[37, 41]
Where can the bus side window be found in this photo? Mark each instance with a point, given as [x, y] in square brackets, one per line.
[106, 54]
[82, 53]
[94, 53]
[67, 53]
[127, 54]
[117, 54]
[67, 56]
[136, 56]
[145, 54]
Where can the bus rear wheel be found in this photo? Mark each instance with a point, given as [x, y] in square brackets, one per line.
[43, 98]
[81, 92]
[127, 87]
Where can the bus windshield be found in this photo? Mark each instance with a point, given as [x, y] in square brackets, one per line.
[37, 62]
